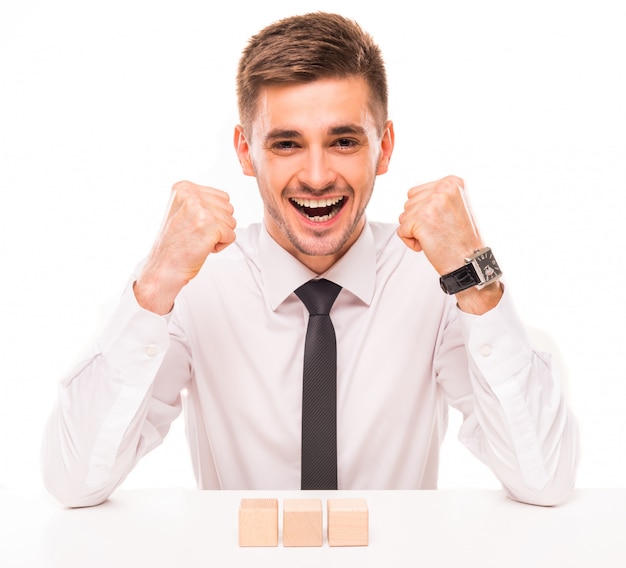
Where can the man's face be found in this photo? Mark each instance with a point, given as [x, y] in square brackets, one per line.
[315, 151]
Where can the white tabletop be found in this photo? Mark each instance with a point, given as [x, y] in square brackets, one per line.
[184, 528]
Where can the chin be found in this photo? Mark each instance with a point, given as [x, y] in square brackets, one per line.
[329, 247]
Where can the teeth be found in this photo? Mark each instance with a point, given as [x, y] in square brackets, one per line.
[315, 203]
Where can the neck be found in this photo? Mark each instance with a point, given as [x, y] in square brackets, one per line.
[316, 263]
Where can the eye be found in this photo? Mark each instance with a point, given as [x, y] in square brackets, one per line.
[346, 143]
[284, 146]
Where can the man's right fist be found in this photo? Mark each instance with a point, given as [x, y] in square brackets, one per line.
[199, 222]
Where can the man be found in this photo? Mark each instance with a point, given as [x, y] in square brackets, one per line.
[219, 312]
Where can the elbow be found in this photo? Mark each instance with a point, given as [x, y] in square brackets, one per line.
[67, 480]
[73, 497]
[557, 483]
[551, 495]
[72, 491]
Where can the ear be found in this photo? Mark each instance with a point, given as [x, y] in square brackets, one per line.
[243, 151]
[386, 148]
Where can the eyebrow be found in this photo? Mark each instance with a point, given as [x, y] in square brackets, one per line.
[346, 129]
[282, 134]
[288, 134]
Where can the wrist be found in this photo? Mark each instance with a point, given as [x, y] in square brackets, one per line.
[479, 301]
[480, 269]
[155, 290]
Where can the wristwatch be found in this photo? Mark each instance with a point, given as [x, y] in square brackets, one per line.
[479, 270]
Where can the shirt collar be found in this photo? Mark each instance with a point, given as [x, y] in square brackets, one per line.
[282, 273]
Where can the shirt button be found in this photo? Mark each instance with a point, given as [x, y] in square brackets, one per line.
[485, 350]
[151, 350]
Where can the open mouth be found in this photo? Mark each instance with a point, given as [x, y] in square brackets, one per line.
[318, 210]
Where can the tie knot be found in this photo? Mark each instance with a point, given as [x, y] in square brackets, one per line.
[318, 296]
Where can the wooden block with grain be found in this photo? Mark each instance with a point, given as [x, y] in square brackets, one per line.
[302, 522]
[348, 522]
[258, 522]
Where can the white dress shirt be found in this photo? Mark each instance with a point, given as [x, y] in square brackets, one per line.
[231, 352]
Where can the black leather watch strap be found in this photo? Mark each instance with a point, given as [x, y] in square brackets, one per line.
[459, 280]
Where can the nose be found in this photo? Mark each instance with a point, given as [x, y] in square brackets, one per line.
[316, 170]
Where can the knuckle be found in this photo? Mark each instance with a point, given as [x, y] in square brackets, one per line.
[447, 184]
[182, 186]
[450, 185]
[453, 180]
[414, 191]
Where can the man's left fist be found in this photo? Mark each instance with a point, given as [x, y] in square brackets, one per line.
[437, 221]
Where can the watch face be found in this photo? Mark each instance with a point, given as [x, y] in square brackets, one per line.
[487, 264]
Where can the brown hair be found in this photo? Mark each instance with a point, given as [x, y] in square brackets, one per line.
[301, 49]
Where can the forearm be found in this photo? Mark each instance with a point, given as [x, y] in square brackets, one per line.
[525, 432]
[89, 445]
[521, 425]
[99, 427]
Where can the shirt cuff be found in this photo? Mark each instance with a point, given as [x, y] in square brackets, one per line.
[496, 341]
[134, 337]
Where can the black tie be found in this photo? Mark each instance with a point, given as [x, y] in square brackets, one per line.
[319, 387]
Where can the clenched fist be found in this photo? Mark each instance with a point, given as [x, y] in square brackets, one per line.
[199, 222]
[438, 221]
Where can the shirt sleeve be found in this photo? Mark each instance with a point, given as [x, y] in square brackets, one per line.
[516, 417]
[111, 410]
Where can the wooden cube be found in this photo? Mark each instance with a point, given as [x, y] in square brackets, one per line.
[348, 522]
[302, 522]
[258, 522]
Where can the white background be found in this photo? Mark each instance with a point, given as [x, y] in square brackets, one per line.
[104, 105]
